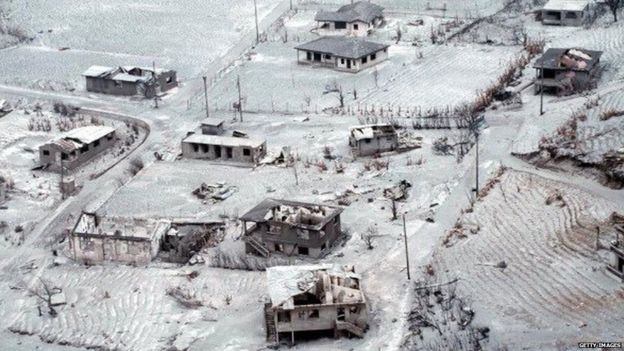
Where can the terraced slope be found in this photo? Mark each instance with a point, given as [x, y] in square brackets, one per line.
[555, 284]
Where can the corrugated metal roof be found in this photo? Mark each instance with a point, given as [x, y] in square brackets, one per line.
[125, 77]
[222, 140]
[98, 71]
[89, 134]
[552, 59]
[566, 5]
[359, 11]
[353, 48]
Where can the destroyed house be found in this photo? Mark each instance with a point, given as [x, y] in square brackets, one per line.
[291, 228]
[373, 139]
[130, 80]
[565, 12]
[342, 53]
[357, 19]
[566, 70]
[94, 239]
[308, 301]
[616, 265]
[76, 148]
[223, 148]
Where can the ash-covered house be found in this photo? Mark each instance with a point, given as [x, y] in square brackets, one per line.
[373, 139]
[94, 239]
[308, 301]
[566, 70]
[130, 80]
[565, 12]
[357, 19]
[342, 53]
[291, 228]
[223, 148]
[616, 265]
[76, 148]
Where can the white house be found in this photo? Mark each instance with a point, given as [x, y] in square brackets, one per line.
[342, 53]
[565, 12]
[357, 19]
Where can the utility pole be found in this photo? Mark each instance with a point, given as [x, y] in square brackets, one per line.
[62, 178]
[206, 96]
[257, 29]
[477, 164]
[406, 251]
[155, 84]
[290, 5]
[542, 91]
[240, 99]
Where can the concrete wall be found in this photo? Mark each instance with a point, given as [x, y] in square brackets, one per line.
[292, 238]
[342, 64]
[356, 29]
[560, 79]
[97, 250]
[367, 147]
[300, 319]
[76, 158]
[210, 152]
[107, 86]
[563, 18]
[167, 80]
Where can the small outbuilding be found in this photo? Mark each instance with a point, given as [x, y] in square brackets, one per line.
[223, 148]
[76, 148]
[212, 126]
[94, 239]
[567, 70]
[616, 266]
[342, 53]
[314, 301]
[356, 19]
[130, 80]
[291, 228]
[565, 12]
[373, 139]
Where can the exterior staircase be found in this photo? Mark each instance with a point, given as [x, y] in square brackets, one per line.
[350, 327]
[269, 321]
[257, 246]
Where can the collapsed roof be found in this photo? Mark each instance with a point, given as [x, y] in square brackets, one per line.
[568, 59]
[78, 137]
[359, 11]
[347, 47]
[131, 74]
[329, 283]
[371, 131]
[90, 225]
[298, 214]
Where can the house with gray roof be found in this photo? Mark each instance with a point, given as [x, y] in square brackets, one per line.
[342, 53]
[76, 147]
[129, 80]
[566, 70]
[291, 228]
[223, 148]
[357, 19]
[565, 12]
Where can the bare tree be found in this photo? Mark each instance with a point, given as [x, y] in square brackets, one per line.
[369, 236]
[336, 88]
[44, 293]
[614, 6]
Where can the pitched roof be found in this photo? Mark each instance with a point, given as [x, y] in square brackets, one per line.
[97, 71]
[568, 59]
[222, 140]
[353, 48]
[566, 5]
[89, 134]
[359, 11]
[371, 130]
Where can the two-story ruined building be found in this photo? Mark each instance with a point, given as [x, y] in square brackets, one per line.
[566, 70]
[291, 228]
[76, 147]
[307, 301]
